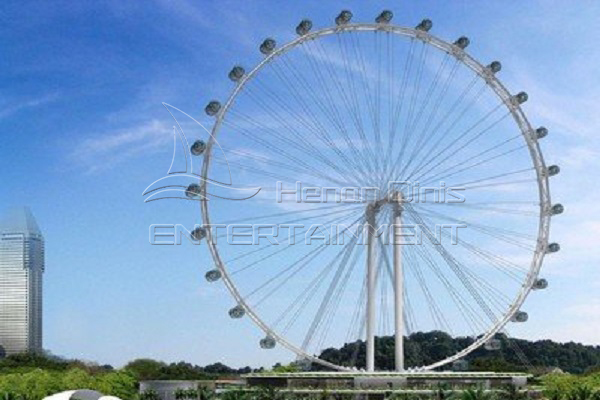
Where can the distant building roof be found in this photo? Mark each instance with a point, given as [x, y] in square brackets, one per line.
[19, 220]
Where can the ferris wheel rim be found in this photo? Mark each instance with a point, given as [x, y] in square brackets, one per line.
[500, 91]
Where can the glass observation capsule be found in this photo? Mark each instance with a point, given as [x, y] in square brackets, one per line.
[462, 42]
[493, 344]
[267, 343]
[495, 66]
[424, 25]
[540, 284]
[212, 108]
[213, 275]
[193, 191]
[541, 132]
[385, 17]
[198, 147]
[553, 248]
[304, 27]
[199, 233]
[557, 209]
[237, 312]
[267, 46]
[553, 170]
[236, 73]
[344, 17]
[521, 97]
[520, 316]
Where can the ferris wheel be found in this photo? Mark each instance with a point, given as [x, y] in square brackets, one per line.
[323, 124]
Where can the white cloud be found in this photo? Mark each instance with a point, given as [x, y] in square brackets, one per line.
[106, 150]
[14, 107]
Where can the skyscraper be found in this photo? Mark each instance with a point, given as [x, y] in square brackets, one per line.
[21, 269]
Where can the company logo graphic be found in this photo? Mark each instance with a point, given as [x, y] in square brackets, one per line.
[187, 183]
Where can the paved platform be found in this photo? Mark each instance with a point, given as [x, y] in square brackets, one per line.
[386, 380]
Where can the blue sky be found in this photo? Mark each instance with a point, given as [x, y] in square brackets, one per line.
[84, 132]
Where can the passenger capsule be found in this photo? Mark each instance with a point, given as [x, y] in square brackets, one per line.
[541, 132]
[193, 191]
[304, 27]
[462, 42]
[520, 316]
[344, 17]
[198, 234]
[495, 66]
[424, 25]
[212, 108]
[553, 170]
[267, 343]
[267, 46]
[385, 17]
[553, 248]
[237, 312]
[493, 345]
[521, 97]
[236, 73]
[540, 284]
[213, 275]
[557, 209]
[198, 147]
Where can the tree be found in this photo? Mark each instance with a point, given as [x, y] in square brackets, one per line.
[146, 369]
[121, 384]
[478, 394]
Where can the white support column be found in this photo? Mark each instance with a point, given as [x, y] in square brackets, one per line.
[398, 286]
[371, 288]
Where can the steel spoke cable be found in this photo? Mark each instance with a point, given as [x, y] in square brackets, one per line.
[289, 179]
[334, 115]
[434, 309]
[499, 233]
[468, 142]
[503, 265]
[278, 150]
[318, 129]
[400, 102]
[424, 136]
[318, 318]
[304, 298]
[466, 310]
[413, 100]
[355, 111]
[444, 133]
[290, 237]
[337, 298]
[450, 170]
[493, 177]
[424, 104]
[329, 109]
[367, 96]
[298, 135]
[437, 129]
[455, 266]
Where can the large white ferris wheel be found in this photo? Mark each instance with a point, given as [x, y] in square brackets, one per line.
[359, 105]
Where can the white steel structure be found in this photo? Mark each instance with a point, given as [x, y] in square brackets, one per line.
[21, 270]
[360, 105]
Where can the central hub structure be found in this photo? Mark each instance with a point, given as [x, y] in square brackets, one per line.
[394, 200]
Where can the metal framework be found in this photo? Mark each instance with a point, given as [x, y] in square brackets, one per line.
[528, 134]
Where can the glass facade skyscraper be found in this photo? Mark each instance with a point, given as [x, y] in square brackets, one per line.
[21, 270]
